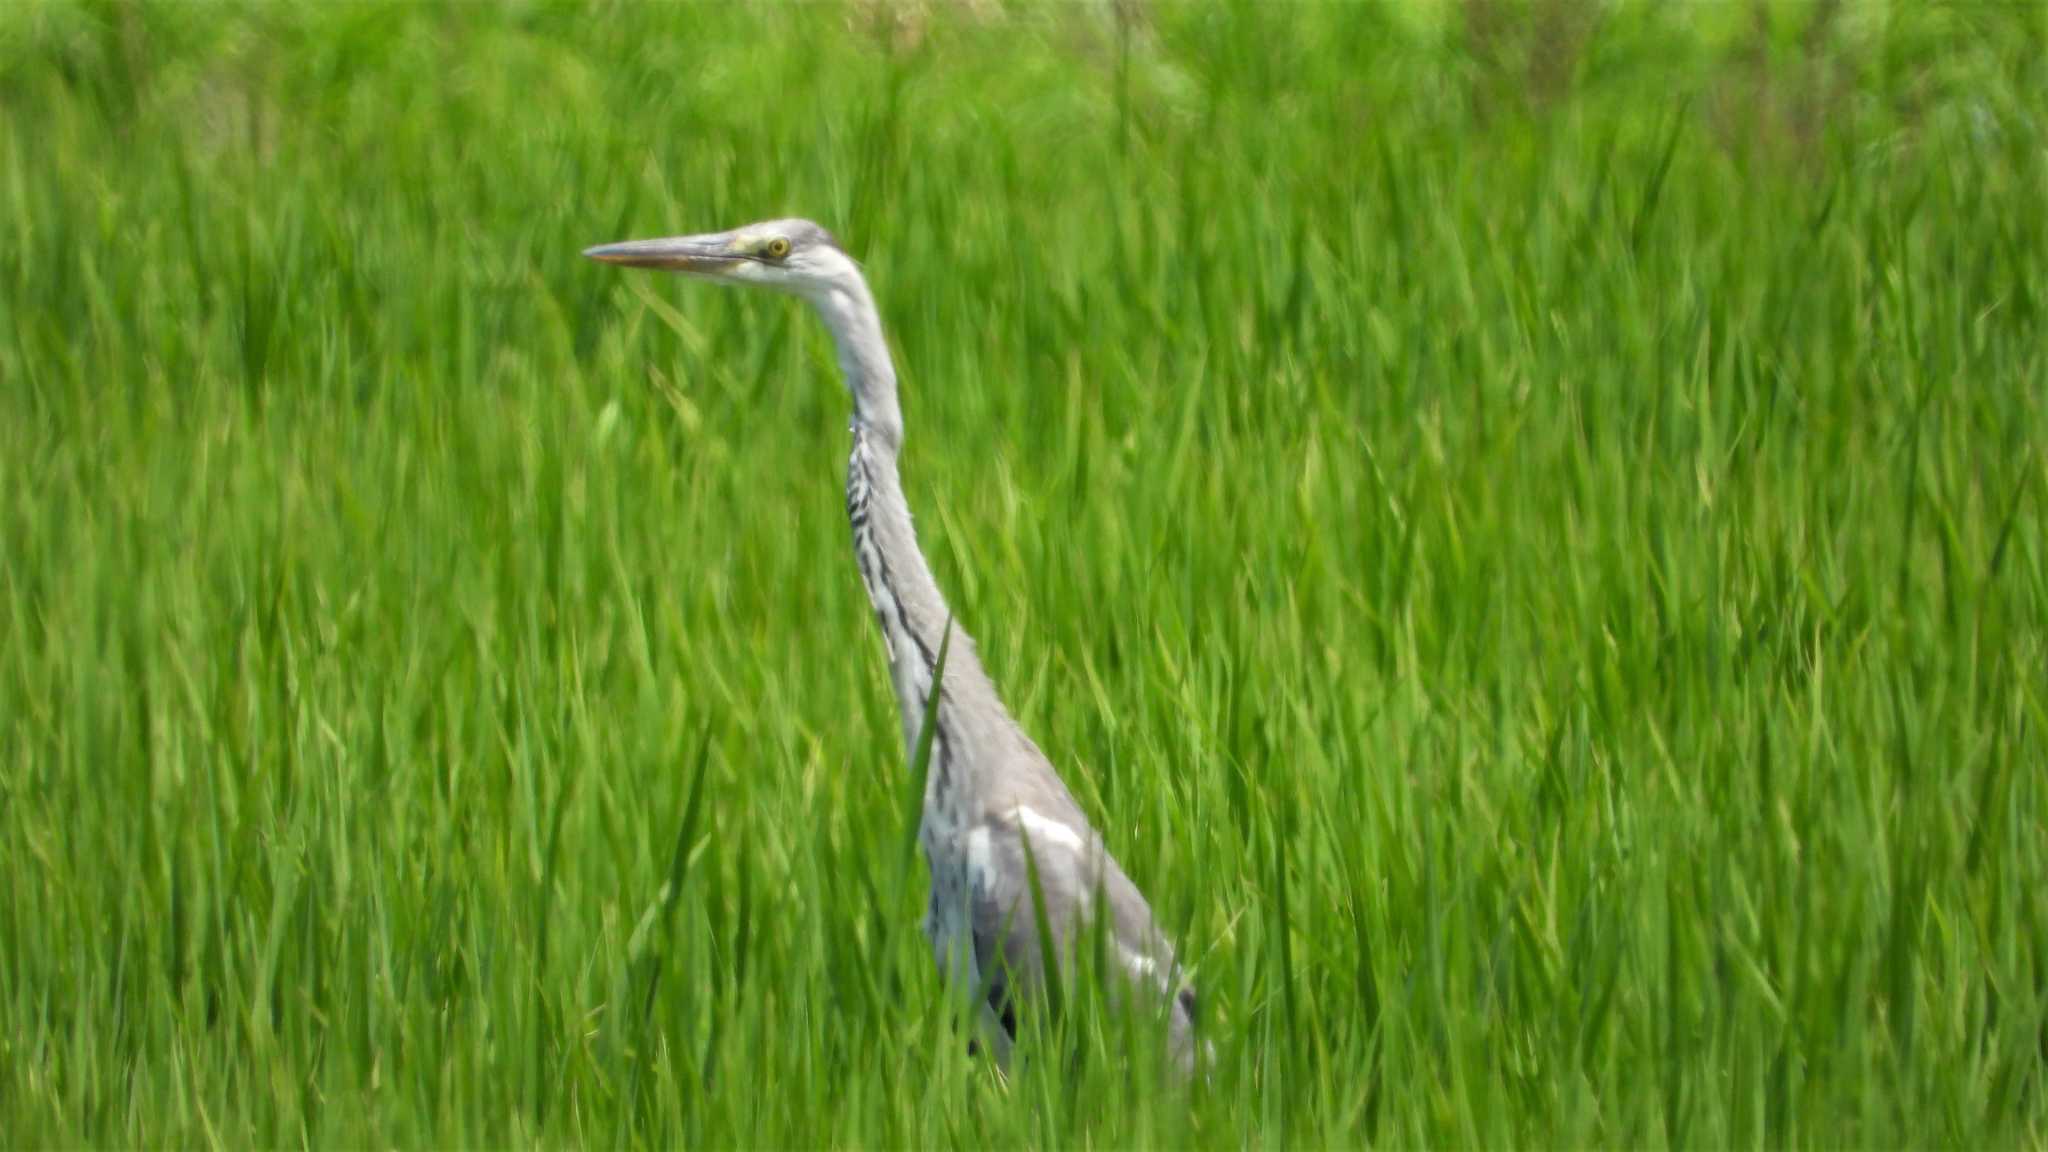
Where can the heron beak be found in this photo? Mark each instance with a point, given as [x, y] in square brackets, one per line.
[699, 254]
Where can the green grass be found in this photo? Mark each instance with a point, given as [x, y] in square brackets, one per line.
[1524, 525]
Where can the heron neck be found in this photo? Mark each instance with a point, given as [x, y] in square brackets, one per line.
[848, 309]
[909, 609]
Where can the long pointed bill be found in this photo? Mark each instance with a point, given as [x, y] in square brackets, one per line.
[701, 254]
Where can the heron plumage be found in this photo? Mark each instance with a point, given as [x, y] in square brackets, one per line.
[995, 811]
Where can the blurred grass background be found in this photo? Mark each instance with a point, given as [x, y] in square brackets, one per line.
[1521, 521]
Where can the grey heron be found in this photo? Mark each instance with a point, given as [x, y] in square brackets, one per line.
[995, 811]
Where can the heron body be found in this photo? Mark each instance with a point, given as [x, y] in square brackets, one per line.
[995, 811]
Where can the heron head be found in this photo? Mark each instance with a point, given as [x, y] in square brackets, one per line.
[794, 256]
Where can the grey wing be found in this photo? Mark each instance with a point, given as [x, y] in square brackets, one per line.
[1075, 873]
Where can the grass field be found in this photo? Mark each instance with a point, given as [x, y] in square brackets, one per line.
[1524, 524]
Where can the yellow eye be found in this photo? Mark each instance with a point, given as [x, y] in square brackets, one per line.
[776, 249]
